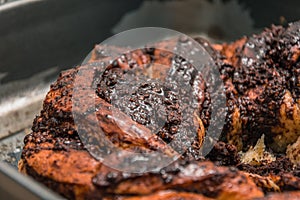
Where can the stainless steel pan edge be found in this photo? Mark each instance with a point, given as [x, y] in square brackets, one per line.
[14, 185]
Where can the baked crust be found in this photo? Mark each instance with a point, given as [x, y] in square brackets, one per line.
[261, 77]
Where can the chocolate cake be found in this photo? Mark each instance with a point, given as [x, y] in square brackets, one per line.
[256, 157]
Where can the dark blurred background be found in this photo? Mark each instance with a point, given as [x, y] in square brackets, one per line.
[37, 35]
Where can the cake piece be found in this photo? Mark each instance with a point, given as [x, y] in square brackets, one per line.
[261, 78]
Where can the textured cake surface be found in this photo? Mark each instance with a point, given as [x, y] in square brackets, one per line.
[261, 75]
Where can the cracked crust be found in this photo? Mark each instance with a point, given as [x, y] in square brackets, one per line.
[261, 76]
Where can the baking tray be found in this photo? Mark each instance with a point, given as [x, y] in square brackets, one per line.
[39, 38]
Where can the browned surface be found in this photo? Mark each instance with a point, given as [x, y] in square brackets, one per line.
[285, 196]
[171, 195]
[261, 77]
[82, 176]
[261, 74]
